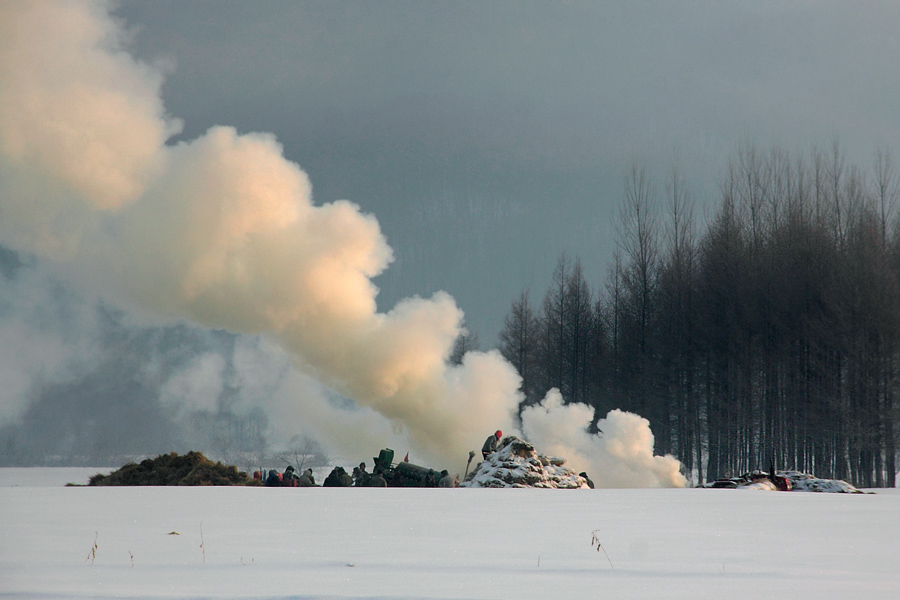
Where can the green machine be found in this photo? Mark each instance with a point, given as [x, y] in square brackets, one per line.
[403, 474]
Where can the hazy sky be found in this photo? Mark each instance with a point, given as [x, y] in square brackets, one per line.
[490, 137]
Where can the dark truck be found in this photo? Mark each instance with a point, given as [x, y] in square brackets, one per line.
[403, 474]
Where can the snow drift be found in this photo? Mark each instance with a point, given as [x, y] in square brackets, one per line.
[256, 542]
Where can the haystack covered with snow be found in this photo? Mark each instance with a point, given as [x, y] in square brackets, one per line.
[799, 482]
[804, 482]
[516, 464]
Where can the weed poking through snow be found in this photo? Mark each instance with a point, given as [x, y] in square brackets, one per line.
[595, 543]
[93, 553]
[202, 543]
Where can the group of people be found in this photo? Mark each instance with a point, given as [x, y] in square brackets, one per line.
[337, 478]
[287, 479]
[340, 478]
[362, 478]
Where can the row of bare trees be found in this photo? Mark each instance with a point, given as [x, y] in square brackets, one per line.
[769, 334]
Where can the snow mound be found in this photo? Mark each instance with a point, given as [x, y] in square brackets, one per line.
[516, 464]
[803, 482]
[800, 482]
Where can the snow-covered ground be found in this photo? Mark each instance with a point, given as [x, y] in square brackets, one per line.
[439, 543]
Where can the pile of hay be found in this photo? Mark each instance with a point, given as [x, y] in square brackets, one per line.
[171, 469]
[517, 464]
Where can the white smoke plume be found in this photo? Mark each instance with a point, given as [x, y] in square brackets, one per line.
[82, 125]
[621, 456]
[46, 335]
[300, 406]
[198, 387]
[222, 231]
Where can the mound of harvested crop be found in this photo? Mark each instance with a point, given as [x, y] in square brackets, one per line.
[517, 464]
[172, 469]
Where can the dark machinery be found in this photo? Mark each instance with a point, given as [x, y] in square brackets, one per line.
[403, 474]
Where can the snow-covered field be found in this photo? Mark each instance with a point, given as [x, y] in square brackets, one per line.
[439, 543]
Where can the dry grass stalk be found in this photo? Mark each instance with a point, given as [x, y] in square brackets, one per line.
[93, 553]
[595, 543]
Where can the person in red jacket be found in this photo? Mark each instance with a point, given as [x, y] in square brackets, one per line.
[491, 443]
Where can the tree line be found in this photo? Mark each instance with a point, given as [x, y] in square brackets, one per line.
[770, 334]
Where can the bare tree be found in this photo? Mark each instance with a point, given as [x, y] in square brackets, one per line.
[676, 332]
[639, 242]
[835, 177]
[519, 344]
[772, 336]
[553, 336]
[887, 189]
[579, 325]
[466, 341]
[302, 452]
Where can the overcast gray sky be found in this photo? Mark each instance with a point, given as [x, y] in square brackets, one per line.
[490, 137]
[155, 292]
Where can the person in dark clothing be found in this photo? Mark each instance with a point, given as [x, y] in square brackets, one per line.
[360, 476]
[307, 479]
[447, 480]
[289, 479]
[338, 478]
[491, 443]
[272, 479]
[374, 481]
[587, 479]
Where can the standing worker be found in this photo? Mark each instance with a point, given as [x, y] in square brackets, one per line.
[289, 479]
[490, 444]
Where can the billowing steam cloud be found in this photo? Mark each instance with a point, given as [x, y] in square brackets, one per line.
[222, 231]
[620, 457]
